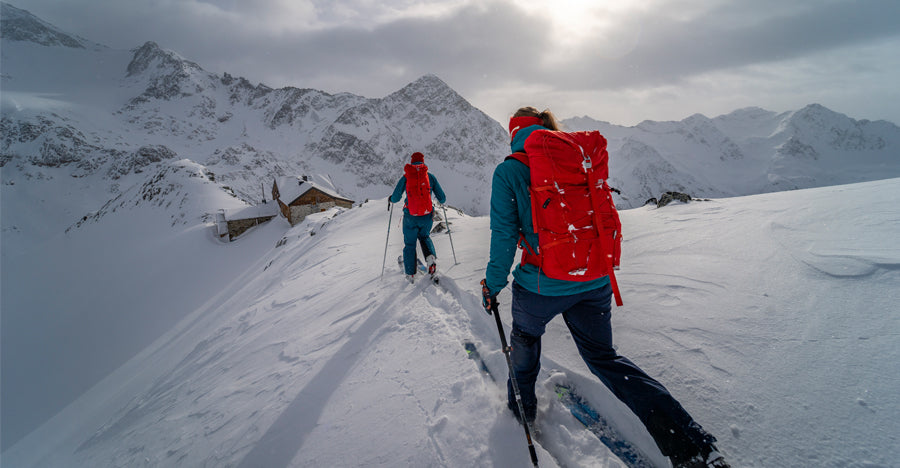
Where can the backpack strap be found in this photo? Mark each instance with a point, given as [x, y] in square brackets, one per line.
[615, 287]
[529, 254]
[521, 157]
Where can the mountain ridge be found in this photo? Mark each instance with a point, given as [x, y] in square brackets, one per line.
[749, 151]
[17, 24]
[172, 102]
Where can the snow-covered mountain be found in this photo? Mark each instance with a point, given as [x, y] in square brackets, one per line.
[20, 25]
[748, 151]
[117, 111]
[150, 105]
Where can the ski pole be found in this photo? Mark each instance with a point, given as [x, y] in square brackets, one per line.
[390, 215]
[515, 384]
[447, 221]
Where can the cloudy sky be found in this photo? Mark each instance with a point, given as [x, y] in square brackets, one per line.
[619, 61]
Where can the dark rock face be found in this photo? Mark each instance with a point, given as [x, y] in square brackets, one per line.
[669, 197]
[136, 161]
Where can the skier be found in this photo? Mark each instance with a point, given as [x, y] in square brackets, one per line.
[585, 307]
[418, 184]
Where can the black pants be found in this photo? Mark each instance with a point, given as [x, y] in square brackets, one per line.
[588, 317]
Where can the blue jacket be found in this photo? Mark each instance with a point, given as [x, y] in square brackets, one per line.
[510, 216]
[400, 190]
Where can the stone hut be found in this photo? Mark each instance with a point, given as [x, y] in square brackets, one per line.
[298, 197]
[233, 223]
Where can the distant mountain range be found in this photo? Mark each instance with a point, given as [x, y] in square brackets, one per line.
[86, 110]
[746, 152]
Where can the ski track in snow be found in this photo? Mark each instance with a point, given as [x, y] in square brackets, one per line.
[310, 358]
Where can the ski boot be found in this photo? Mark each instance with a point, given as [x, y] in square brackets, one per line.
[430, 262]
[712, 459]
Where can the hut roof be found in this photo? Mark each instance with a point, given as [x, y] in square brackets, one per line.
[293, 187]
[251, 212]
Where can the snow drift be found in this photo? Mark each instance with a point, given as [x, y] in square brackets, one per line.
[769, 317]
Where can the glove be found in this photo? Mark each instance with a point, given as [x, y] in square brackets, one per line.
[488, 299]
[389, 204]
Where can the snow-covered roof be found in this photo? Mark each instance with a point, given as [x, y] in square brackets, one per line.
[292, 187]
[249, 212]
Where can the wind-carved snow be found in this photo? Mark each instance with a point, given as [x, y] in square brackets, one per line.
[308, 357]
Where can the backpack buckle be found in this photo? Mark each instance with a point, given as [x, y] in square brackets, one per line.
[586, 163]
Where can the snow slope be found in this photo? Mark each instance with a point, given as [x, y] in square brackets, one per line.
[84, 291]
[772, 318]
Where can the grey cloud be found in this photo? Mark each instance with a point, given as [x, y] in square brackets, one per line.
[735, 35]
[501, 41]
[494, 38]
[488, 48]
[473, 41]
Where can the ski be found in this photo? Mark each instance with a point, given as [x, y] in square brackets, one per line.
[587, 415]
[419, 265]
[582, 411]
[472, 352]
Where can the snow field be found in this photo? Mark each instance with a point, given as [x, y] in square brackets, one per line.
[770, 322]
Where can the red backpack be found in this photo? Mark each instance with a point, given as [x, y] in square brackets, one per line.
[418, 189]
[578, 227]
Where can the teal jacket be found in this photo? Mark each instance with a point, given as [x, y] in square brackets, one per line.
[510, 217]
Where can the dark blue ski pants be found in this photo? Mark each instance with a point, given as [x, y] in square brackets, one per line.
[588, 317]
[416, 228]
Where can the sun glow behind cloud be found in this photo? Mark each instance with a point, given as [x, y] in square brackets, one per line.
[604, 29]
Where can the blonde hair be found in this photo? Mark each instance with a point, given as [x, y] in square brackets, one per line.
[547, 118]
